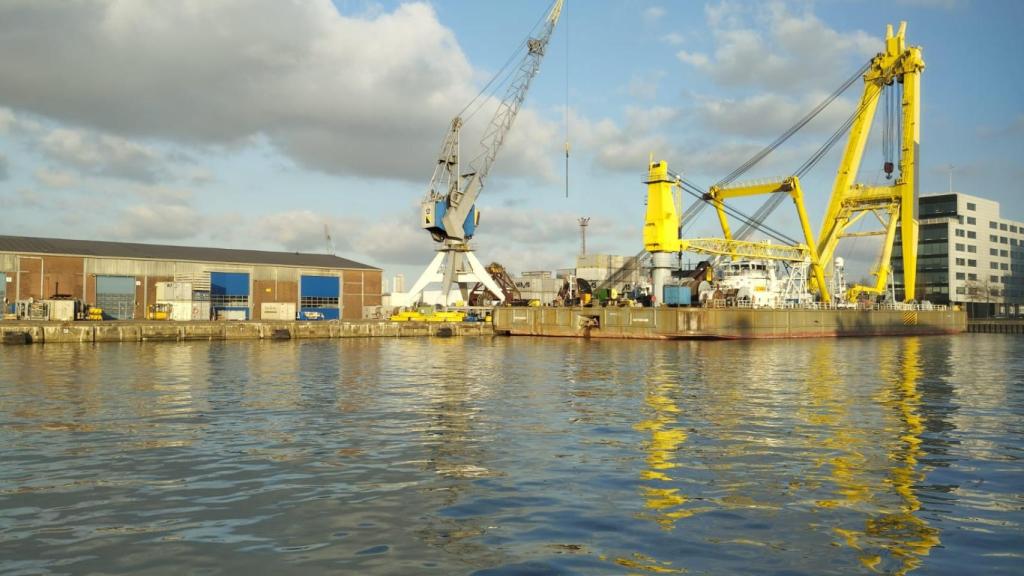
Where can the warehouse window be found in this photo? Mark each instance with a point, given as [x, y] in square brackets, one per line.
[318, 302]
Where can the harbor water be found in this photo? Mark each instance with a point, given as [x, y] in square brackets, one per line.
[514, 456]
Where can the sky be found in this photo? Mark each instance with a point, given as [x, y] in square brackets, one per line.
[256, 123]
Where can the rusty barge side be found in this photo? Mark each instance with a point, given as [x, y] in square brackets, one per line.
[723, 323]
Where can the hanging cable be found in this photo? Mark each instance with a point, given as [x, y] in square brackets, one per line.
[835, 137]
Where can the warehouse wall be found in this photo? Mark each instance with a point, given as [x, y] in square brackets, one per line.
[40, 277]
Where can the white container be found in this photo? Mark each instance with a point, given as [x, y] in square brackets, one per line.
[201, 310]
[61, 310]
[173, 291]
[181, 310]
[231, 315]
[277, 311]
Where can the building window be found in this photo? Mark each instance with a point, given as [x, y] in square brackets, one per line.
[972, 276]
[994, 265]
[971, 206]
[960, 290]
[961, 276]
[1002, 227]
[993, 278]
[972, 220]
[993, 225]
[972, 263]
[960, 233]
[972, 234]
[972, 248]
[993, 252]
[1013, 228]
[959, 247]
[1003, 240]
[993, 238]
[1003, 253]
[960, 262]
[1004, 266]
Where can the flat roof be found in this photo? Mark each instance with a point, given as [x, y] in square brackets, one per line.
[101, 249]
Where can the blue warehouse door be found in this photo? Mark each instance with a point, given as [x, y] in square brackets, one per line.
[229, 294]
[115, 295]
[320, 298]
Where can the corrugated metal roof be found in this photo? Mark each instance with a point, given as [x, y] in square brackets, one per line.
[25, 244]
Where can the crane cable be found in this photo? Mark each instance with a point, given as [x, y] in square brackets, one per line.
[524, 43]
[697, 193]
[743, 168]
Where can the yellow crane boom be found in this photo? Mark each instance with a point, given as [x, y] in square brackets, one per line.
[897, 66]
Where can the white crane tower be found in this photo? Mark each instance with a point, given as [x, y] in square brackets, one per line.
[449, 208]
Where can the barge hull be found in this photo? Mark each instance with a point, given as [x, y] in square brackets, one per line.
[723, 323]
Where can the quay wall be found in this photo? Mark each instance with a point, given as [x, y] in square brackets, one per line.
[724, 323]
[989, 326]
[26, 332]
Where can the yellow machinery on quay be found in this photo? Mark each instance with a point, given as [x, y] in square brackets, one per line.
[892, 77]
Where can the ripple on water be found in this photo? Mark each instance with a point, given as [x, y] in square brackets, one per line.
[555, 456]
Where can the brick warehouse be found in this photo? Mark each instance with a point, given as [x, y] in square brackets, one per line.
[124, 276]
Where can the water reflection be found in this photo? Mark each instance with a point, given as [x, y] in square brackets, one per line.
[513, 456]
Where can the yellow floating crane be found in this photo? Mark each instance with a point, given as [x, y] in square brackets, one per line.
[894, 73]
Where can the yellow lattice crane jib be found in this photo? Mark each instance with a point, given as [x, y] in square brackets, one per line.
[898, 66]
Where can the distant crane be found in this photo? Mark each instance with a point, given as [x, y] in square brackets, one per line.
[329, 241]
[448, 210]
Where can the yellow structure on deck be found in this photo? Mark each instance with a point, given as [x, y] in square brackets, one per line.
[897, 66]
[894, 206]
[662, 233]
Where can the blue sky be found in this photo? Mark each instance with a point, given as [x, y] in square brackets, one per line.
[254, 124]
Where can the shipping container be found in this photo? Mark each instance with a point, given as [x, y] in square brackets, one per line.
[173, 291]
[61, 310]
[200, 310]
[677, 296]
[277, 311]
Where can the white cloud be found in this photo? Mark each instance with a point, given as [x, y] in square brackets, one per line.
[767, 46]
[695, 59]
[335, 92]
[769, 114]
[152, 222]
[103, 155]
[672, 39]
[654, 13]
[55, 178]
[6, 120]
[4, 170]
